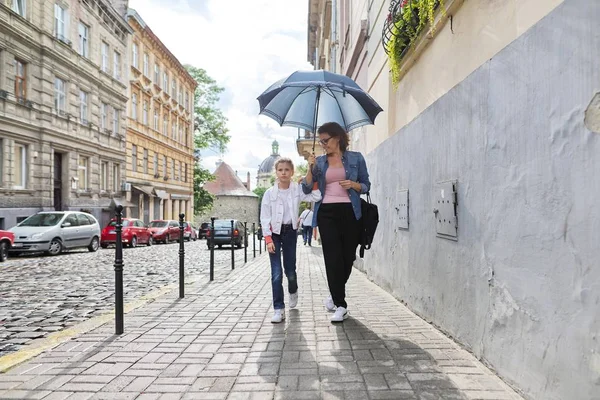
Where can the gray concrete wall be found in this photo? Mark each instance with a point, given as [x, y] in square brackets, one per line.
[521, 286]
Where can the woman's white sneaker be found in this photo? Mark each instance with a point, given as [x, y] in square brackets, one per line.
[340, 314]
[278, 316]
[293, 300]
[329, 304]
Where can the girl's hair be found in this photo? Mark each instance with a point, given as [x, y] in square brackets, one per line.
[335, 130]
[283, 160]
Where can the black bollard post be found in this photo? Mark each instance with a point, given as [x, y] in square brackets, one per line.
[245, 242]
[253, 240]
[232, 247]
[119, 272]
[211, 246]
[181, 257]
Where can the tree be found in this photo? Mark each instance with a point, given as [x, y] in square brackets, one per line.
[260, 192]
[210, 131]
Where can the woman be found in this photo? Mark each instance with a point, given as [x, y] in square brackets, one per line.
[342, 177]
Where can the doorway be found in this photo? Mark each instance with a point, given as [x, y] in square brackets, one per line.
[58, 161]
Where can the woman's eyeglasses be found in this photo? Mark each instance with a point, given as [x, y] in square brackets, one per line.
[323, 142]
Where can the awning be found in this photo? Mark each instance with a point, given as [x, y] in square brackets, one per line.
[149, 190]
[162, 194]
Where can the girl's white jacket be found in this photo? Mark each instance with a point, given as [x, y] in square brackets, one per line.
[271, 210]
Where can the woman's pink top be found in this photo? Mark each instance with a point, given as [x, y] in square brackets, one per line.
[334, 193]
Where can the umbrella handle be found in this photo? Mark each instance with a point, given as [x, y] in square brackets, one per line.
[316, 116]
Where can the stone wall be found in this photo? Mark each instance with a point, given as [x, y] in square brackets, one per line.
[243, 208]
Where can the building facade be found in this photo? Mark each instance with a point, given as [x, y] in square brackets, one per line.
[62, 107]
[233, 200]
[160, 143]
[490, 127]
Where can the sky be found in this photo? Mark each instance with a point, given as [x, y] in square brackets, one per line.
[245, 45]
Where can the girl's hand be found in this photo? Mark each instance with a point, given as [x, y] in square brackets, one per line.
[348, 184]
[271, 248]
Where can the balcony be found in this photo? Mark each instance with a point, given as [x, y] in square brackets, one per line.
[304, 143]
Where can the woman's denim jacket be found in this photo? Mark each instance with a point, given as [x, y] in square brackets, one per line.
[356, 170]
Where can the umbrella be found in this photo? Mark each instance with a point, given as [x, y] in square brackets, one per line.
[308, 99]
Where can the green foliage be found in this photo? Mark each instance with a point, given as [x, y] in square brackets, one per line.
[210, 130]
[260, 192]
[408, 24]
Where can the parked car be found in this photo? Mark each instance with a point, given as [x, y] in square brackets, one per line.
[223, 233]
[189, 232]
[6, 241]
[52, 232]
[134, 232]
[203, 230]
[164, 230]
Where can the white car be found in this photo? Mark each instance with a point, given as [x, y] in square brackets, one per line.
[52, 232]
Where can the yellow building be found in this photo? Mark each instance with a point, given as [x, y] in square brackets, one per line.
[160, 144]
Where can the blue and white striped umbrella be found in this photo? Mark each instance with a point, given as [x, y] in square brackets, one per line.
[308, 99]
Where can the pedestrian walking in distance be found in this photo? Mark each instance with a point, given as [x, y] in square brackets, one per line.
[305, 221]
[342, 177]
[278, 217]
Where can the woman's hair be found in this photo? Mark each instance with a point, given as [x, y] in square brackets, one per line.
[283, 160]
[335, 130]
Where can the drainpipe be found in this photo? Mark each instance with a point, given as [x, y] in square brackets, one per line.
[333, 61]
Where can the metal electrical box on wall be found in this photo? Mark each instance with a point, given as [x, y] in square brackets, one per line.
[444, 210]
[402, 209]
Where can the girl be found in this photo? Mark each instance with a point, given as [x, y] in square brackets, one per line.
[279, 219]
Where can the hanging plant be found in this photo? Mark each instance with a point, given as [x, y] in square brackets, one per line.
[406, 20]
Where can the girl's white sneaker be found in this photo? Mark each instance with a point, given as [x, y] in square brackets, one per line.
[293, 300]
[329, 304]
[340, 314]
[278, 316]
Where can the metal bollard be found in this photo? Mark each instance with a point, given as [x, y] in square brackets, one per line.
[211, 245]
[232, 248]
[253, 240]
[181, 257]
[119, 272]
[245, 242]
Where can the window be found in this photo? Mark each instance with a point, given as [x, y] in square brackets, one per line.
[117, 65]
[172, 168]
[84, 33]
[104, 176]
[165, 165]
[173, 88]
[165, 125]
[116, 177]
[145, 113]
[145, 161]
[155, 118]
[116, 115]
[146, 64]
[180, 134]
[20, 81]
[61, 21]
[155, 163]
[134, 106]
[134, 158]
[59, 96]
[103, 116]
[173, 129]
[104, 61]
[83, 220]
[156, 74]
[187, 99]
[82, 173]
[20, 166]
[186, 173]
[180, 95]
[134, 56]
[180, 171]
[18, 6]
[83, 107]
[165, 82]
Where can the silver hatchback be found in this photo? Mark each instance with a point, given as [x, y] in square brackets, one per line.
[54, 231]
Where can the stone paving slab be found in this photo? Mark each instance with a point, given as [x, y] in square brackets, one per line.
[218, 343]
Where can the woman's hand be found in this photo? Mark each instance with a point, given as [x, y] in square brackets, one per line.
[348, 184]
[271, 247]
[311, 161]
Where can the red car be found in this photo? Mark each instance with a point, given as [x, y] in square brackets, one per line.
[164, 230]
[134, 232]
[6, 241]
[189, 231]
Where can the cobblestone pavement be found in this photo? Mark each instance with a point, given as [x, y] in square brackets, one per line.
[218, 343]
[40, 295]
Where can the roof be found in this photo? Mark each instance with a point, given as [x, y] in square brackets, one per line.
[227, 183]
[268, 164]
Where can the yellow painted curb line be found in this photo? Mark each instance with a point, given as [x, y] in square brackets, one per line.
[54, 339]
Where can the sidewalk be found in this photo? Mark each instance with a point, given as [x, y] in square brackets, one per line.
[219, 343]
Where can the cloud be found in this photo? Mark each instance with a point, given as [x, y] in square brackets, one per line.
[245, 45]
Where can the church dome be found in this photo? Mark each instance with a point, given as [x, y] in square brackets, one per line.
[268, 164]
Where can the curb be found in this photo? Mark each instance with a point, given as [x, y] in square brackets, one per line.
[54, 339]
